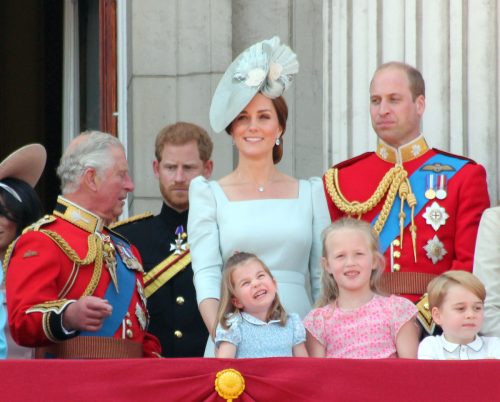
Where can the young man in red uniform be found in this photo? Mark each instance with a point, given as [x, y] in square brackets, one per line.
[74, 288]
[424, 203]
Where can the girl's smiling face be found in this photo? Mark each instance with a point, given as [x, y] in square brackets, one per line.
[350, 260]
[254, 289]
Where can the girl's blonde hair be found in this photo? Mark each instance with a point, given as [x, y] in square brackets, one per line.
[330, 289]
[226, 307]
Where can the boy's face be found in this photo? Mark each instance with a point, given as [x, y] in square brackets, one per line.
[460, 315]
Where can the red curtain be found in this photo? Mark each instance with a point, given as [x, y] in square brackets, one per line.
[278, 379]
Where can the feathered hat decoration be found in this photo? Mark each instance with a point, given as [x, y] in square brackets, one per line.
[265, 67]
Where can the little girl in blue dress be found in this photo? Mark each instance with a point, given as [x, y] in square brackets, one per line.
[251, 322]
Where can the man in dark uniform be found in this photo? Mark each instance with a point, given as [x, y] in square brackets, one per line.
[424, 203]
[182, 151]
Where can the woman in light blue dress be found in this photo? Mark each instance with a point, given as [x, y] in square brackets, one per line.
[257, 208]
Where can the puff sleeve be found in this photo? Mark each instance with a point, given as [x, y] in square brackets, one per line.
[320, 220]
[203, 238]
[487, 268]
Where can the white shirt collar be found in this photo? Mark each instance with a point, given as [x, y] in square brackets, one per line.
[254, 320]
[476, 345]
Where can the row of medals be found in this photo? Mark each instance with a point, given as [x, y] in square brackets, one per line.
[435, 215]
[109, 255]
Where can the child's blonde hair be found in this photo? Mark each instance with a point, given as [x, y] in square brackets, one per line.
[226, 307]
[437, 289]
[330, 289]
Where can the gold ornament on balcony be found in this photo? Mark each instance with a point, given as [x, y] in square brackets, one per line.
[229, 384]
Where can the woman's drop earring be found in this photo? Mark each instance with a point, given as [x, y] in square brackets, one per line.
[278, 141]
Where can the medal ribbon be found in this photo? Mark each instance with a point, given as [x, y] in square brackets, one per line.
[119, 301]
[418, 182]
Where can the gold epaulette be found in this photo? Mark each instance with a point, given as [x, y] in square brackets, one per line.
[424, 315]
[94, 254]
[131, 219]
[33, 227]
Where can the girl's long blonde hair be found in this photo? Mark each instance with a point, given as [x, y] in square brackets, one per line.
[226, 307]
[330, 289]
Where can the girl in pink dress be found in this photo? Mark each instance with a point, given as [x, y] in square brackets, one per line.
[353, 320]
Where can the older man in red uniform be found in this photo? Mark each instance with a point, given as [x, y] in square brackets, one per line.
[424, 203]
[74, 288]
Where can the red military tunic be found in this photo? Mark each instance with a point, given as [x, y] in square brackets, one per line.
[455, 236]
[45, 273]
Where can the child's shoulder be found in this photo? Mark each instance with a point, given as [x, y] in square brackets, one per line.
[319, 312]
[394, 300]
[431, 340]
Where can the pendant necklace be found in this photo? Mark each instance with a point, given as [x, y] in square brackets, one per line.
[260, 187]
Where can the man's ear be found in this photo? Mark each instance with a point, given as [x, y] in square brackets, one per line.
[420, 101]
[156, 168]
[90, 179]
[208, 167]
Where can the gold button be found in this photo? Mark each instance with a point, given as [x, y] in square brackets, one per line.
[178, 334]
[129, 333]
[128, 322]
[396, 243]
[397, 267]
[397, 254]
[179, 300]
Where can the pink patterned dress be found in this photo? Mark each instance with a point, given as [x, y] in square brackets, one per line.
[368, 332]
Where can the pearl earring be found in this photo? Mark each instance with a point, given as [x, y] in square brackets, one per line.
[278, 141]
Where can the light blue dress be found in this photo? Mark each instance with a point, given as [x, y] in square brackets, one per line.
[255, 338]
[3, 317]
[284, 233]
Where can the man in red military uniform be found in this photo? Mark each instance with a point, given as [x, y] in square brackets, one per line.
[424, 203]
[74, 288]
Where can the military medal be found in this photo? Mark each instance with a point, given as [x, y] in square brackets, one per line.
[141, 317]
[179, 245]
[430, 186]
[128, 258]
[110, 258]
[142, 295]
[435, 250]
[435, 215]
[442, 187]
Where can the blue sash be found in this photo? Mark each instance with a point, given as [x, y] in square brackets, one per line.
[119, 301]
[418, 182]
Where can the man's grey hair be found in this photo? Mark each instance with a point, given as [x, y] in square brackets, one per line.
[91, 149]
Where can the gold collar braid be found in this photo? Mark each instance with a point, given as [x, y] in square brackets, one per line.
[395, 182]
